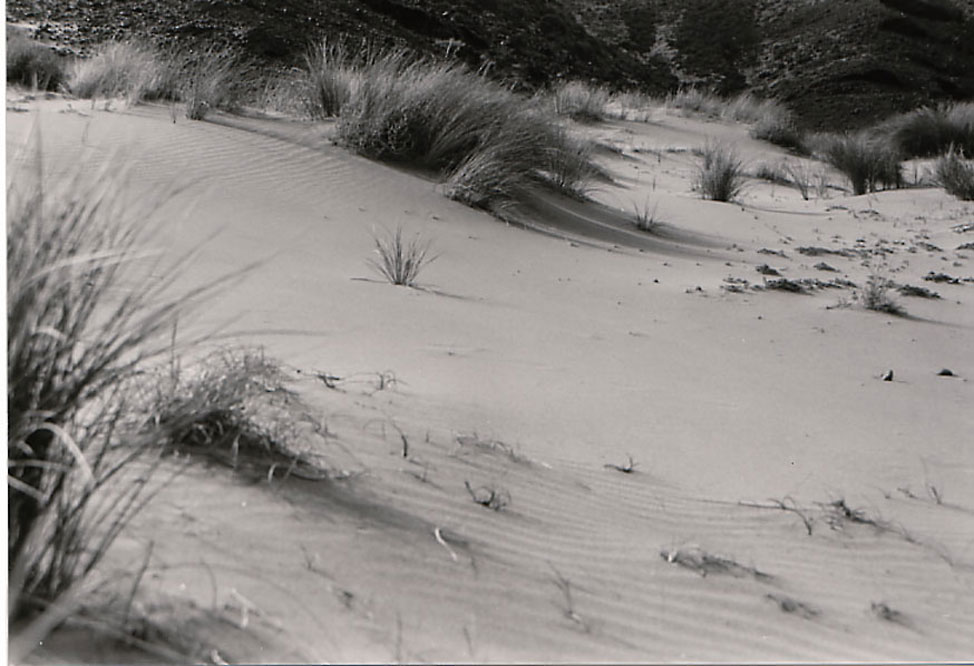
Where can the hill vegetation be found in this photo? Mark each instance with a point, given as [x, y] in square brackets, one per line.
[845, 63]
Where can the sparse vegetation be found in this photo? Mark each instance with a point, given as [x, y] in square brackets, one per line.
[332, 68]
[400, 262]
[779, 128]
[876, 296]
[645, 217]
[956, 175]
[489, 496]
[580, 101]
[721, 175]
[32, 64]
[927, 132]
[868, 162]
[488, 143]
[207, 81]
[74, 352]
[136, 72]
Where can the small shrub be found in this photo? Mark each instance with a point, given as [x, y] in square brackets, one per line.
[580, 101]
[133, 71]
[867, 162]
[32, 64]
[876, 296]
[956, 175]
[399, 262]
[721, 175]
[927, 132]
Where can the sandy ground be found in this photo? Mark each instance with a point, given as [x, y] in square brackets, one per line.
[530, 363]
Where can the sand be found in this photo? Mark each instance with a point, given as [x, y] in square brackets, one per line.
[537, 355]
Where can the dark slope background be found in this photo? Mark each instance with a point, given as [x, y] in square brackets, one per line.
[836, 63]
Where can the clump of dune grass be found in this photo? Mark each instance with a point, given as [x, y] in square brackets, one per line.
[580, 101]
[645, 217]
[868, 162]
[32, 64]
[331, 71]
[206, 81]
[720, 177]
[125, 69]
[81, 321]
[777, 126]
[400, 262]
[956, 175]
[487, 143]
[931, 131]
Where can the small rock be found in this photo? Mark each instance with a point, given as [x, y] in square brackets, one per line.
[822, 266]
[946, 372]
[888, 377]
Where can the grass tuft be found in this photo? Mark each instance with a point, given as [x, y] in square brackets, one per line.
[876, 296]
[720, 177]
[207, 81]
[487, 143]
[136, 72]
[32, 64]
[868, 162]
[81, 321]
[580, 101]
[332, 70]
[927, 132]
[400, 262]
[956, 175]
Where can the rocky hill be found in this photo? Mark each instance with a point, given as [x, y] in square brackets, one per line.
[835, 62]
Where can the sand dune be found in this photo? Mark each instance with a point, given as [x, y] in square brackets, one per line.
[527, 363]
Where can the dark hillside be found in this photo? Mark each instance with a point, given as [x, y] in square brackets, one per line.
[834, 62]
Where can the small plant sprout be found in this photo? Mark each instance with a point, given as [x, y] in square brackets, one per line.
[565, 586]
[645, 217]
[489, 496]
[400, 262]
[628, 468]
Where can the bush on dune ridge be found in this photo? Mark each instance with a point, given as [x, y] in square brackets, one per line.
[928, 132]
[720, 176]
[580, 101]
[956, 175]
[135, 71]
[868, 162]
[486, 141]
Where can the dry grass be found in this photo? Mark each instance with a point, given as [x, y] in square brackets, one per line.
[77, 334]
[32, 64]
[927, 132]
[401, 262]
[580, 101]
[720, 177]
[85, 321]
[487, 143]
[207, 81]
[125, 69]
[877, 296]
[868, 162]
[956, 175]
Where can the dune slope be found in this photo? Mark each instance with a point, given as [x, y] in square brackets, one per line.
[679, 466]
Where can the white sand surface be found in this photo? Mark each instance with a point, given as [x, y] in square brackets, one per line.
[528, 362]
